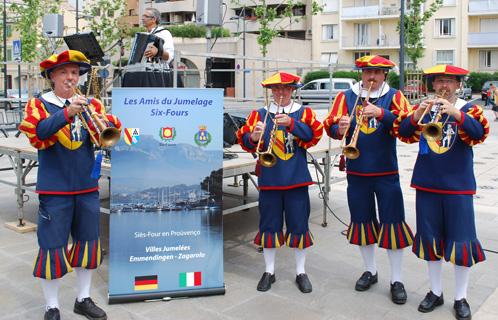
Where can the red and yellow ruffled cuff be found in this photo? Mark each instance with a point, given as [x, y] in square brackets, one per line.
[269, 239]
[86, 254]
[299, 240]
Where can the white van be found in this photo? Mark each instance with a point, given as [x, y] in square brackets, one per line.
[319, 90]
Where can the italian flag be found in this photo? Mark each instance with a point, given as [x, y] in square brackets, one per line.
[190, 279]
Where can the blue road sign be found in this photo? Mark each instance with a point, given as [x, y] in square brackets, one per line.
[16, 50]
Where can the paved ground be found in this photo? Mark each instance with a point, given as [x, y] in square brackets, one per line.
[333, 265]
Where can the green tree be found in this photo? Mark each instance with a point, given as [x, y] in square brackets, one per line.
[266, 15]
[104, 21]
[415, 20]
[29, 15]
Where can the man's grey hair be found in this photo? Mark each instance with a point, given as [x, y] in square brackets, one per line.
[156, 14]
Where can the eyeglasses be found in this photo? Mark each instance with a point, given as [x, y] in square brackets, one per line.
[146, 16]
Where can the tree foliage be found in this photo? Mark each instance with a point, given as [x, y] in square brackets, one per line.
[29, 15]
[191, 30]
[415, 20]
[266, 16]
[104, 21]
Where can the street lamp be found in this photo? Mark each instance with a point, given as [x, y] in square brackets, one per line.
[5, 51]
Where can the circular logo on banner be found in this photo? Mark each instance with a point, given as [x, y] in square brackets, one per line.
[202, 138]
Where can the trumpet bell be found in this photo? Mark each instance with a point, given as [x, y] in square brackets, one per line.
[109, 137]
[433, 131]
[267, 159]
[351, 152]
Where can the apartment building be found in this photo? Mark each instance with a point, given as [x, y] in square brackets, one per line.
[461, 32]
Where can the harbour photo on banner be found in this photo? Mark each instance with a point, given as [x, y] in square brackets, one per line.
[166, 231]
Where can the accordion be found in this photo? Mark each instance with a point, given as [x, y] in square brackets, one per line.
[140, 43]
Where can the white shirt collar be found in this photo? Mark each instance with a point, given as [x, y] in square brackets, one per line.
[384, 88]
[53, 99]
[460, 103]
[292, 107]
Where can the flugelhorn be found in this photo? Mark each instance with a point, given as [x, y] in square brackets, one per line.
[267, 158]
[351, 151]
[108, 136]
[433, 130]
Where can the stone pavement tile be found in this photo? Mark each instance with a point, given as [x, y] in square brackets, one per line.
[271, 305]
[187, 309]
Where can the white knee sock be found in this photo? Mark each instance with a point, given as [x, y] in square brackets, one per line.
[395, 259]
[50, 291]
[300, 260]
[435, 268]
[84, 282]
[269, 255]
[461, 281]
[368, 255]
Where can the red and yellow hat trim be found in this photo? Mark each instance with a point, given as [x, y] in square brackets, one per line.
[282, 78]
[65, 57]
[444, 69]
[373, 62]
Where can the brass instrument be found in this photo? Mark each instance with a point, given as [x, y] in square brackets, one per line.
[108, 136]
[350, 151]
[267, 158]
[433, 130]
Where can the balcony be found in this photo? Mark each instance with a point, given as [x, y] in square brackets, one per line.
[483, 7]
[370, 12]
[349, 43]
[482, 40]
[175, 6]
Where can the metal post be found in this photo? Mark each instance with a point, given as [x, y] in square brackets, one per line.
[77, 15]
[19, 82]
[402, 47]
[6, 83]
[244, 54]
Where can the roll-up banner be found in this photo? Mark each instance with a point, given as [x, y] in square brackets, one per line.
[166, 235]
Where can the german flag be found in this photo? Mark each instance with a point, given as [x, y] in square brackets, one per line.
[146, 283]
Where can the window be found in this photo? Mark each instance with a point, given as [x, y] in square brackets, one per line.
[361, 34]
[329, 57]
[445, 57]
[329, 31]
[488, 59]
[330, 5]
[359, 54]
[445, 27]
[489, 25]
[310, 86]
[341, 86]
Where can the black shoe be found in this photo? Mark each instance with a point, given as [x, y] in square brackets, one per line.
[365, 281]
[462, 310]
[398, 293]
[89, 309]
[52, 314]
[265, 282]
[430, 302]
[303, 283]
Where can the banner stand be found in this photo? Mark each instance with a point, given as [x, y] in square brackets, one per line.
[161, 295]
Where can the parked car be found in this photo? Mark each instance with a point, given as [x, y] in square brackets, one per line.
[465, 93]
[319, 90]
[485, 87]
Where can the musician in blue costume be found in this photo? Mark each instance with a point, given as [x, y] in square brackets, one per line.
[68, 194]
[445, 184]
[283, 188]
[374, 174]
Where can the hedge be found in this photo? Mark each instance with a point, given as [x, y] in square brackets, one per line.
[196, 31]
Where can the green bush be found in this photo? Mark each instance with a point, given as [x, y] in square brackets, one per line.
[196, 31]
[393, 80]
[477, 79]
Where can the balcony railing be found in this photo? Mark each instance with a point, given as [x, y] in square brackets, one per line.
[370, 43]
[483, 6]
[369, 12]
[483, 39]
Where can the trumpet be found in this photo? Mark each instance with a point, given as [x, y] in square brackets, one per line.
[108, 136]
[433, 130]
[351, 151]
[267, 158]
